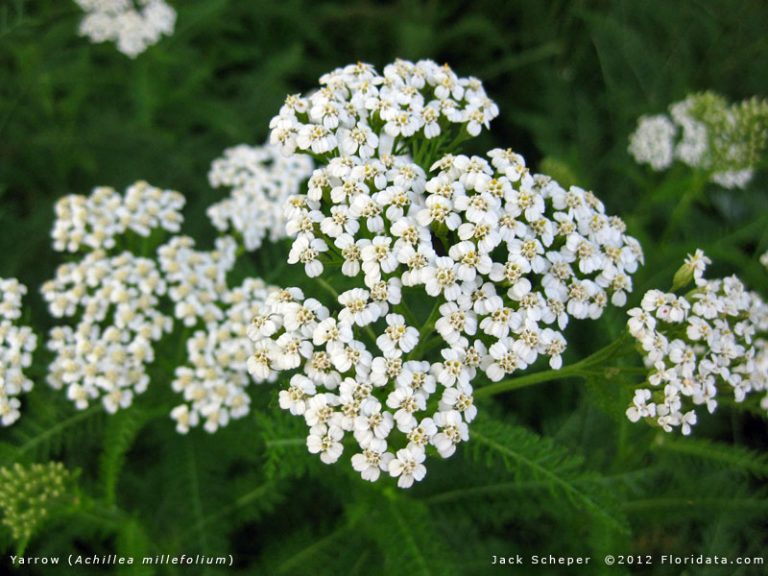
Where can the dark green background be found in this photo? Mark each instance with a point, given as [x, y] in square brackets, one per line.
[570, 79]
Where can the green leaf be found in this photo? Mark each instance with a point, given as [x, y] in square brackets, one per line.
[409, 537]
[119, 435]
[729, 456]
[532, 457]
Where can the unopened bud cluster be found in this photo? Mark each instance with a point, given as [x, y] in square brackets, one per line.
[699, 346]
[17, 343]
[28, 493]
[706, 133]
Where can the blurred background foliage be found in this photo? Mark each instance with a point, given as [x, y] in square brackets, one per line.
[552, 470]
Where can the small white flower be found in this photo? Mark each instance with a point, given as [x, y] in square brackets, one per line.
[397, 336]
[326, 441]
[306, 251]
[407, 466]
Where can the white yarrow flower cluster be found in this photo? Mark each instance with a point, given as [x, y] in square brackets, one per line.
[17, 343]
[504, 257]
[705, 133]
[215, 381]
[93, 222]
[261, 180]
[358, 111]
[118, 301]
[197, 280]
[105, 355]
[113, 296]
[134, 25]
[652, 142]
[708, 342]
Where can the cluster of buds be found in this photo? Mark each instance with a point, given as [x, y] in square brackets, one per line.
[17, 343]
[29, 492]
[708, 342]
[706, 133]
[134, 25]
[504, 258]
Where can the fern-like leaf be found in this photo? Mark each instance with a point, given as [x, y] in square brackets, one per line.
[41, 436]
[409, 538]
[531, 457]
[119, 435]
[733, 457]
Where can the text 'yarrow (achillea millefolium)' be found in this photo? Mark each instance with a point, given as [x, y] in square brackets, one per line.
[134, 25]
[394, 225]
[706, 133]
[17, 343]
[697, 346]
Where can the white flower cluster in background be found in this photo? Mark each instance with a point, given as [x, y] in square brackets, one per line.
[133, 25]
[764, 259]
[93, 222]
[104, 356]
[112, 295]
[358, 111]
[123, 305]
[261, 180]
[504, 258]
[706, 133]
[710, 341]
[197, 280]
[17, 343]
[214, 384]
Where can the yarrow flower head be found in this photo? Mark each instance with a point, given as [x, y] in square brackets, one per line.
[17, 343]
[94, 222]
[706, 133]
[215, 381]
[261, 180]
[105, 355]
[503, 257]
[123, 305]
[708, 342]
[134, 25]
[359, 112]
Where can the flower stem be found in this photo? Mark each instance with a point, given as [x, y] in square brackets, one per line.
[581, 369]
[426, 329]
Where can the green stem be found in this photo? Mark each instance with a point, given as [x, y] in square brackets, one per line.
[328, 288]
[426, 329]
[583, 368]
